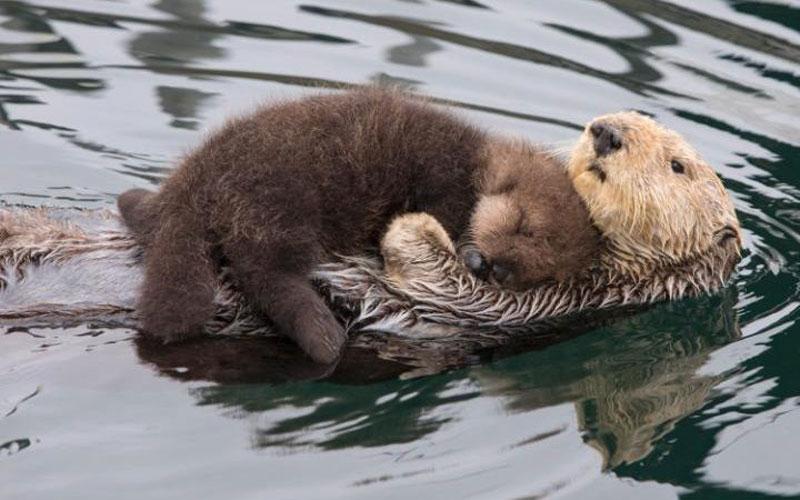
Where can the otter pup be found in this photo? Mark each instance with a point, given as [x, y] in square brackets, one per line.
[290, 186]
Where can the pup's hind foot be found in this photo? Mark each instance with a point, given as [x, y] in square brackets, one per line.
[319, 334]
[294, 306]
[176, 314]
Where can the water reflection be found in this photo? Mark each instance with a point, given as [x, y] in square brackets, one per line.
[32, 50]
[183, 43]
[181, 46]
[639, 53]
[421, 28]
[630, 382]
[414, 53]
[785, 14]
[103, 91]
[698, 21]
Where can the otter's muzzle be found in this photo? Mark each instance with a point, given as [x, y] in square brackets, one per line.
[606, 138]
[481, 268]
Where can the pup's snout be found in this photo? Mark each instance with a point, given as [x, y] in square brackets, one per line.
[501, 274]
[476, 262]
[482, 268]
[607, 139]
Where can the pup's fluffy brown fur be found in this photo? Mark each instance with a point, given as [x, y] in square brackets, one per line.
[529, 222]
[291, 185]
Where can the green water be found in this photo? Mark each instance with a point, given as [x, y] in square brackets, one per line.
[696, 399]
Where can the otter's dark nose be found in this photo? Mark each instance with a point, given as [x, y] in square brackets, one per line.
[475, 262]
[607, 139]
[501, 273]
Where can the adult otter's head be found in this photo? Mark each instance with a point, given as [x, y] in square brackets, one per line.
[657, 203]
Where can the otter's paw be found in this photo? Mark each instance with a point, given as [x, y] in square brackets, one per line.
[411, 238]
[319, 334]
[410, 230]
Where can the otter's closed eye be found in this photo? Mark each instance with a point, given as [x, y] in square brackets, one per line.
[678, 167]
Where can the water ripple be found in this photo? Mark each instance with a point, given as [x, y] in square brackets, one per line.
[692, 399]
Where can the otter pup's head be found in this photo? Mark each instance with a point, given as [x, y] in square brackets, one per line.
[529, 225]
[654, 199]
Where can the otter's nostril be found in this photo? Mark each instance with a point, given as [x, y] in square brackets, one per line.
[607, 139]
[500, 273]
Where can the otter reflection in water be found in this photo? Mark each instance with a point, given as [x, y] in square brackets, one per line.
[630, 381]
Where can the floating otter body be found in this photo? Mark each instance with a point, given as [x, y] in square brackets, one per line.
[276, 193]
[669, 231]
[60, 267]
[668, 228]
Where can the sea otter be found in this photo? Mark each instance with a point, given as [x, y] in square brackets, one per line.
[669, 230]
[276, 193]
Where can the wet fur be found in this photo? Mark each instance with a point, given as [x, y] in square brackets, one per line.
[280, 191]
[653, 219]
[59, 266]
[535, 226]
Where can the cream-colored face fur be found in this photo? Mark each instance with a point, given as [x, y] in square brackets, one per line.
[653, 198]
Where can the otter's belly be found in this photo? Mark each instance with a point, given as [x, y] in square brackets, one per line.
[67, 265]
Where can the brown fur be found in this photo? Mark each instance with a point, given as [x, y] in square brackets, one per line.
[669, 230]
[137, 205]
[279, 191]
[529, 219]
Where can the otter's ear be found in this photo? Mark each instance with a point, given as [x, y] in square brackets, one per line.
[727, 235]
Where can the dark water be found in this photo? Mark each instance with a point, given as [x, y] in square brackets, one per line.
[696, 399]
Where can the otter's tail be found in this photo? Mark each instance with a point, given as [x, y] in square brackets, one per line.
[177, 296]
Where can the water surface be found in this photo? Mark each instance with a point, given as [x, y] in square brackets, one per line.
[696, 399]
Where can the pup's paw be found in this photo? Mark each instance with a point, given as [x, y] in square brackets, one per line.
[172, 314]
[412, 239]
